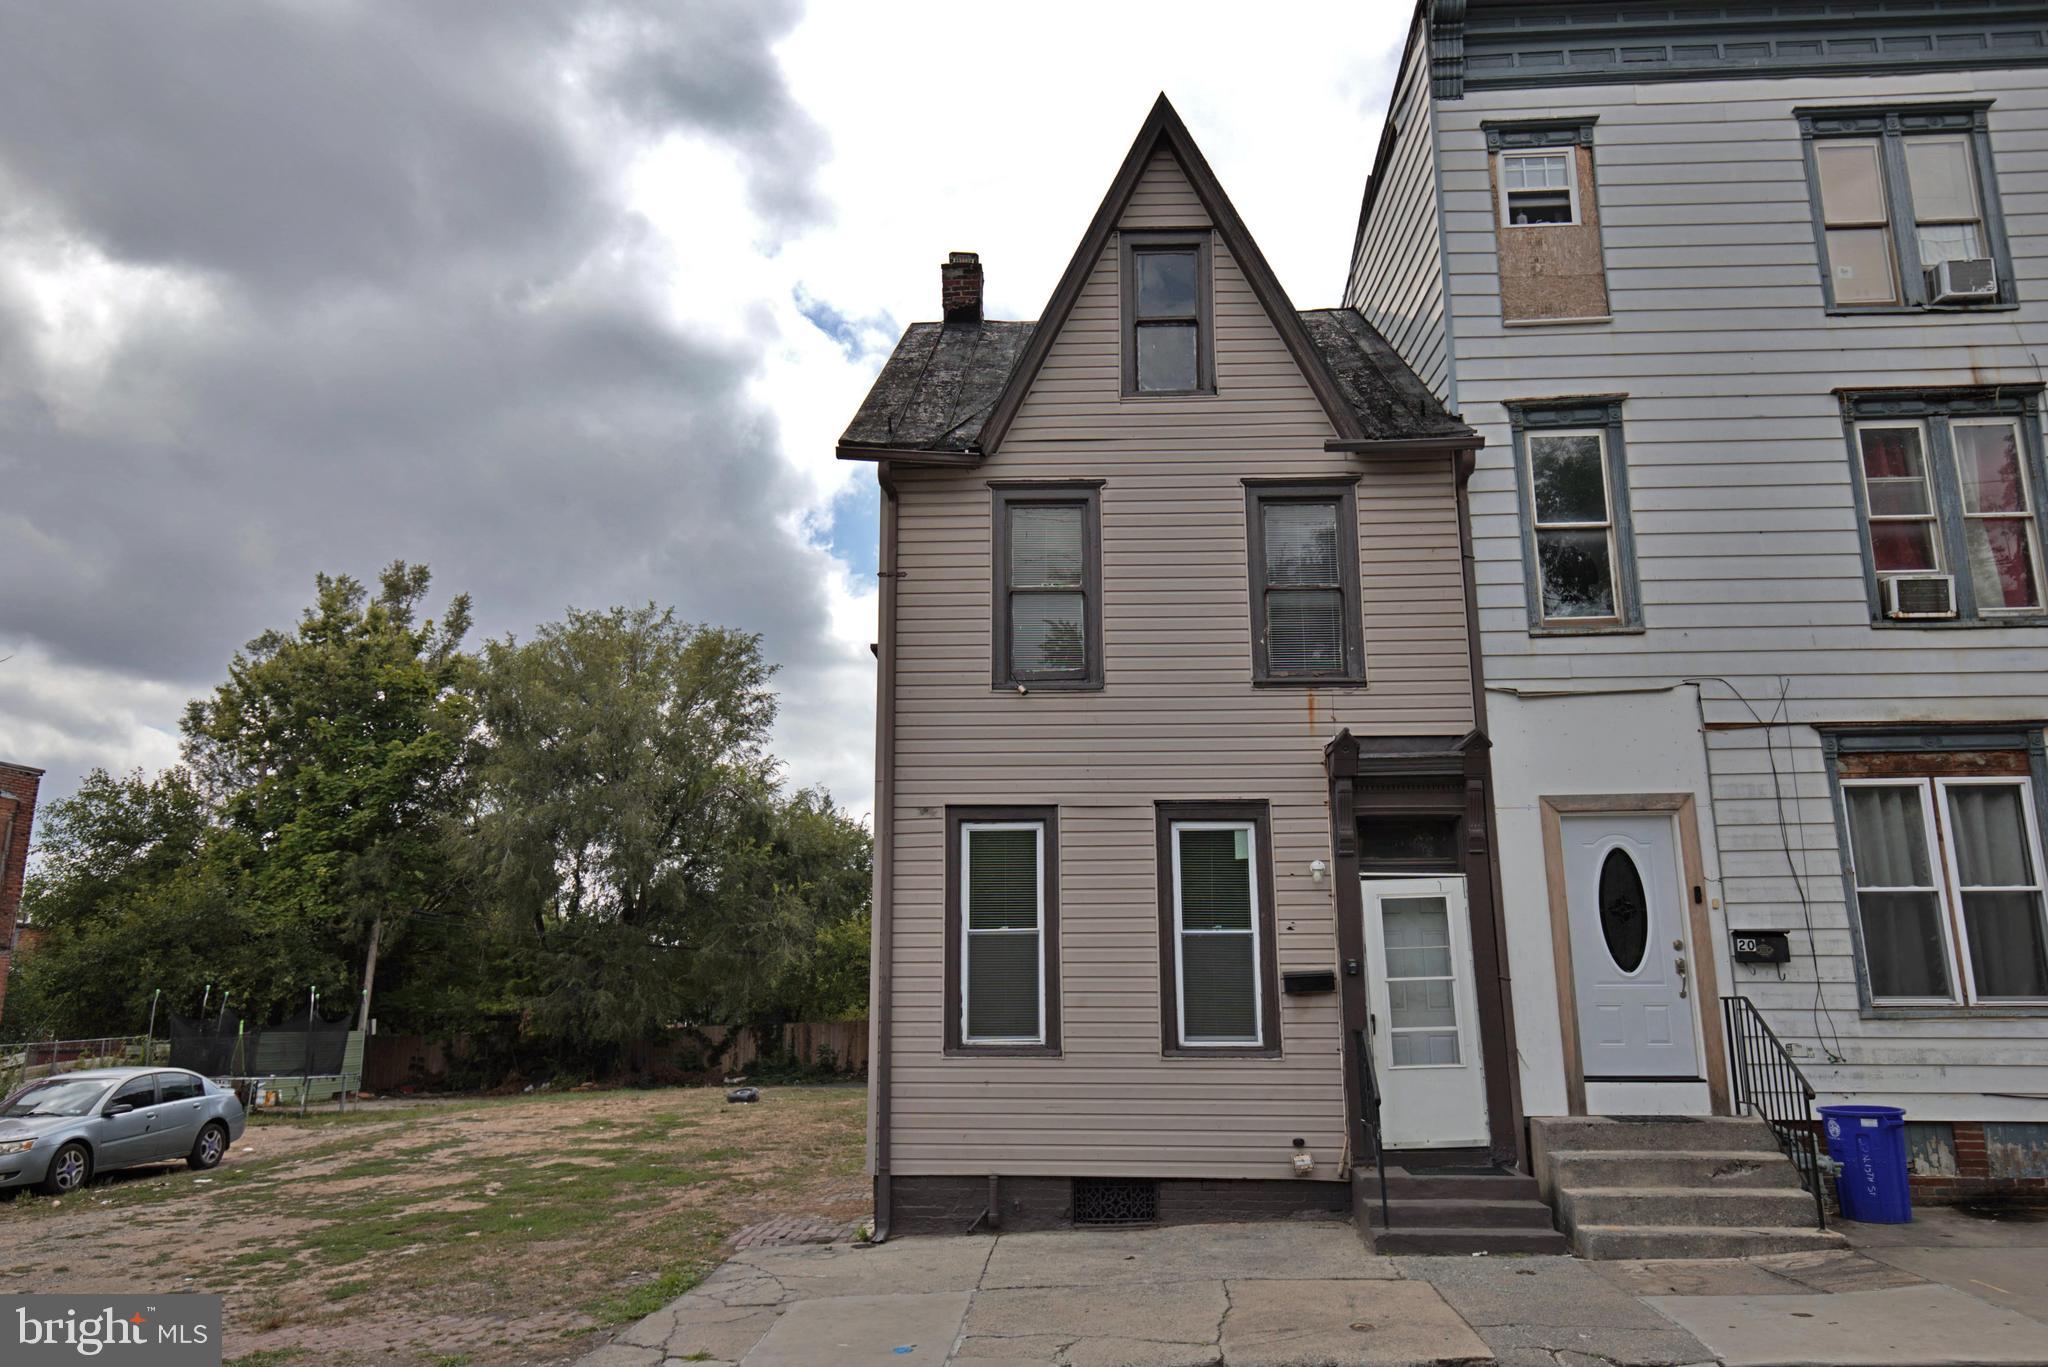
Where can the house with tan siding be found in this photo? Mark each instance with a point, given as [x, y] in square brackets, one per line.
[1750, 304]
[1185, 899]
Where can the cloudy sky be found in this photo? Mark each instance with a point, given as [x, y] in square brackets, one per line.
[567, 300]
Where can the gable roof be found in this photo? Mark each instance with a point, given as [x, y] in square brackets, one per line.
[1163, 128]
[937, 389]
[932, 400]
[949, 391]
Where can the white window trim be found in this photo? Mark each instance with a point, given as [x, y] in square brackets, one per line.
[1955, 937]
[1571, 183]
[1953, 872]
[967, 932]
[1180, 977]
[1871, 519]
[1538, 526]
[1948, 940]
[2028, 517]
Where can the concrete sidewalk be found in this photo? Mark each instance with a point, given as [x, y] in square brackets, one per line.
[1944, 1290]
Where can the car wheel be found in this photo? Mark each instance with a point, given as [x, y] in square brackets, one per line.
[209, 1148]
[70, 1170]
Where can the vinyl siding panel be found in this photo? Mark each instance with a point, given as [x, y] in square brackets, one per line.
[1178, 719]
[1739, 475]
[1397, 279]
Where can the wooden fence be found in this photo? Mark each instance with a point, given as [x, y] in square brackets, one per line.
[394, 1063]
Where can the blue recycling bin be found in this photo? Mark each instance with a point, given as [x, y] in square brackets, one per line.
[1870, 1144]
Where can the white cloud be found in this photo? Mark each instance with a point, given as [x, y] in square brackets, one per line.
[902, 132]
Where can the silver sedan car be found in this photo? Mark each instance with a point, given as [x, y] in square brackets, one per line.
[57, 1132]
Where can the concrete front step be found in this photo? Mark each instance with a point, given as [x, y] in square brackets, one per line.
[1696, 1241]
[1452, 1240]
[1718, 1208]
[1528, 1213]
[1406, 1184]
[1636, 1168]
[1668, 1134]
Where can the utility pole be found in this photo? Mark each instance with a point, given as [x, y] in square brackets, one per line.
[370, 973]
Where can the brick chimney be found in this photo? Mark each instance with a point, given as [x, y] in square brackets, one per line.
[960, 287]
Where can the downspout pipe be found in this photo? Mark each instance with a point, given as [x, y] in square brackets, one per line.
[882, 921]
[1467, 462]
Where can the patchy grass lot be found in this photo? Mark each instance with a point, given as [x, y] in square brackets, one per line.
[467, 1232]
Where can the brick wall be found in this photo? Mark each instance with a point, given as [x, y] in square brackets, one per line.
[2014, 1171]
[18, 785]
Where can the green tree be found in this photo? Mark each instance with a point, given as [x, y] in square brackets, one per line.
[333, 751]
[629, 833]
[132, 896]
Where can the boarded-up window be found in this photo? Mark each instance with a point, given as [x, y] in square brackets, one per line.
[1306, 621]
[1547, 222]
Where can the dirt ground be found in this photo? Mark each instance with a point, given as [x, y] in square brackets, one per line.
[452, 1233]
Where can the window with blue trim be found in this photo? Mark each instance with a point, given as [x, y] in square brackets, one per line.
[1578, 547]
[1905, 207]
[1948, 488]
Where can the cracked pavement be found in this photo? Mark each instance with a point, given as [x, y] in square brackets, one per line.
[1293, 1292]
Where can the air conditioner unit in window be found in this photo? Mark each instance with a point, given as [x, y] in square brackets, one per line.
[1920, 596]
[1962, 282]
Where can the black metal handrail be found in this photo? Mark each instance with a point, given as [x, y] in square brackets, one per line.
[1369, 1090]
[1769, 1084]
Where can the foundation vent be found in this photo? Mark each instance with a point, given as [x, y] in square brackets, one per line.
[1112, 1201]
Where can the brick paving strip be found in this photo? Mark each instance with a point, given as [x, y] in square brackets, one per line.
[785, 1230]
[1273, 1293]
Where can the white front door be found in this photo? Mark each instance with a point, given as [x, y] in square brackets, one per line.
[1626, 905]
[1425, 1036]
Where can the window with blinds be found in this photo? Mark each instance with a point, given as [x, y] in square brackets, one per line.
[1048, 565]
[1002, 923]
[1216, 932]
[1305, 608]
[1949, 889]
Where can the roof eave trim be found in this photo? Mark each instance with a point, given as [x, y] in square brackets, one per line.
[900, 455]
[1164, 123]
[1374, 446]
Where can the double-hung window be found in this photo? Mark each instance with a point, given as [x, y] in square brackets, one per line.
[1167, 332]
[1307, 626]
[1047, 592]
[1538, 188]
[1002, 930]
[1578, 544]
[1216, 922]
[1947, 875]
[1949, 486]
[1905, 205]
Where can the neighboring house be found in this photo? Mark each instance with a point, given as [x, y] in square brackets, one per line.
[1750, 302]
[1173, 648]
[18, 785]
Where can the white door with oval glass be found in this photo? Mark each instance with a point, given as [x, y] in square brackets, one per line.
[1425, 1040]
[1626, 907]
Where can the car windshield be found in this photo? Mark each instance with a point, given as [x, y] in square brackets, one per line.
[57, 1096]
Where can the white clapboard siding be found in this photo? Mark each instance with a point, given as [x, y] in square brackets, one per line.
[1748, 547]
[1177, 720]
[1397, 278]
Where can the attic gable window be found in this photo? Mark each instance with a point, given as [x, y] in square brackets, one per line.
[1168, 336]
